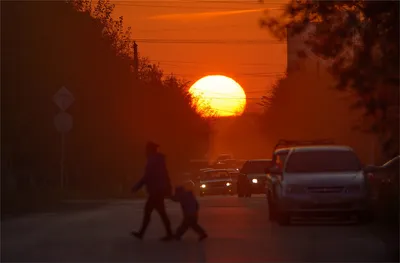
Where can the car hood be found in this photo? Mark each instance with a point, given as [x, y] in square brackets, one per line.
[216, 180]
[324, 179]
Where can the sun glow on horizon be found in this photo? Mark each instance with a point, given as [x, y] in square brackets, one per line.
[218, 95]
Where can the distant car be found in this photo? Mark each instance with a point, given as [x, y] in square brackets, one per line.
[216, 181]
[227, 164]
[319, 180]
[384, 185]
[252, 180]
[386, 173]
[195, 176]
[224, 156]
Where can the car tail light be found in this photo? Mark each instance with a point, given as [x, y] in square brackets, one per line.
[369, 176]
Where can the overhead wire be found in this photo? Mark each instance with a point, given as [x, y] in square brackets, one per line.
[209, 41]
[192, 5]
[246, 2]
[206, 63]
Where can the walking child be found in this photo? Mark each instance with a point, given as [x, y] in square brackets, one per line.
[190, 207]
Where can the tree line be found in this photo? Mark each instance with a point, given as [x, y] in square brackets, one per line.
[361, 38]
[80, 45]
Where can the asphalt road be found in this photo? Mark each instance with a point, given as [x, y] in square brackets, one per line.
[239, 231]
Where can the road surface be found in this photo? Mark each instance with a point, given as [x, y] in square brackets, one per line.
[239, 231]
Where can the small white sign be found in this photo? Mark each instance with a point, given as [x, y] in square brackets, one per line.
[63, 98]
[63, 122]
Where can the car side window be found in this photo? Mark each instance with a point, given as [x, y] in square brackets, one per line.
[279, 161]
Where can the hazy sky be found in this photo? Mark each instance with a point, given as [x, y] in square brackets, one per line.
[253, 64]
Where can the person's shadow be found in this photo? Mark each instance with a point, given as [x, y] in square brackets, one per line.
[153, 250]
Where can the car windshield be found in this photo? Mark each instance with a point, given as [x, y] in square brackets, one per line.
[392, 163]
[211, 175]
[323, 161]
[256, 166]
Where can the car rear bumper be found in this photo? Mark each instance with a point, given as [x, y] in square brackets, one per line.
[216, 190]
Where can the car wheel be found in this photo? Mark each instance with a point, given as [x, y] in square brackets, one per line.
[283, 218]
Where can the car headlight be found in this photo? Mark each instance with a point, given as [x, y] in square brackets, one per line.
[295, 189]
[353, 188]
[228, 184]
[203, 186]
[254, 181]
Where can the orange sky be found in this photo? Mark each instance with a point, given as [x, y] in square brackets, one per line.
[254, 66]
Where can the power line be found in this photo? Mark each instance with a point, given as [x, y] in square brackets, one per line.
[237, 75]
[245, 2]
[228, 98]
[191, 28]
[199, 63]
[224, 94]
[180, 6]
[208, 41]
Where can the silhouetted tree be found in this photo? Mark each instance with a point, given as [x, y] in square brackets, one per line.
[362, 38]
[301, 108]
[49, 44]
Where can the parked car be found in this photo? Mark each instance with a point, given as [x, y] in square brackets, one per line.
[281, 151]
[384, 185]
[253, 177]
[216, 181]
[319, 180]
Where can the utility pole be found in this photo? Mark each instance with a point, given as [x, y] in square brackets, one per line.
[135, 60]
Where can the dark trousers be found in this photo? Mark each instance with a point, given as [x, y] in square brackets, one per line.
[155, 202]
[189, 221]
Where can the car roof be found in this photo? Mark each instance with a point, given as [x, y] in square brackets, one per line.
[260, 160]
[280, 150]
[322, 148]
[216, 170]
[388, 163]
[206, 169]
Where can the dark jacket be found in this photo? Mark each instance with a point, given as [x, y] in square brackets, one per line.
[156, 178]
[188, 201]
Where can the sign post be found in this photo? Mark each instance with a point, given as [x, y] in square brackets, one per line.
[63, 122]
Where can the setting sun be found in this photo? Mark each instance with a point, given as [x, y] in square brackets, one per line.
[218, 95]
